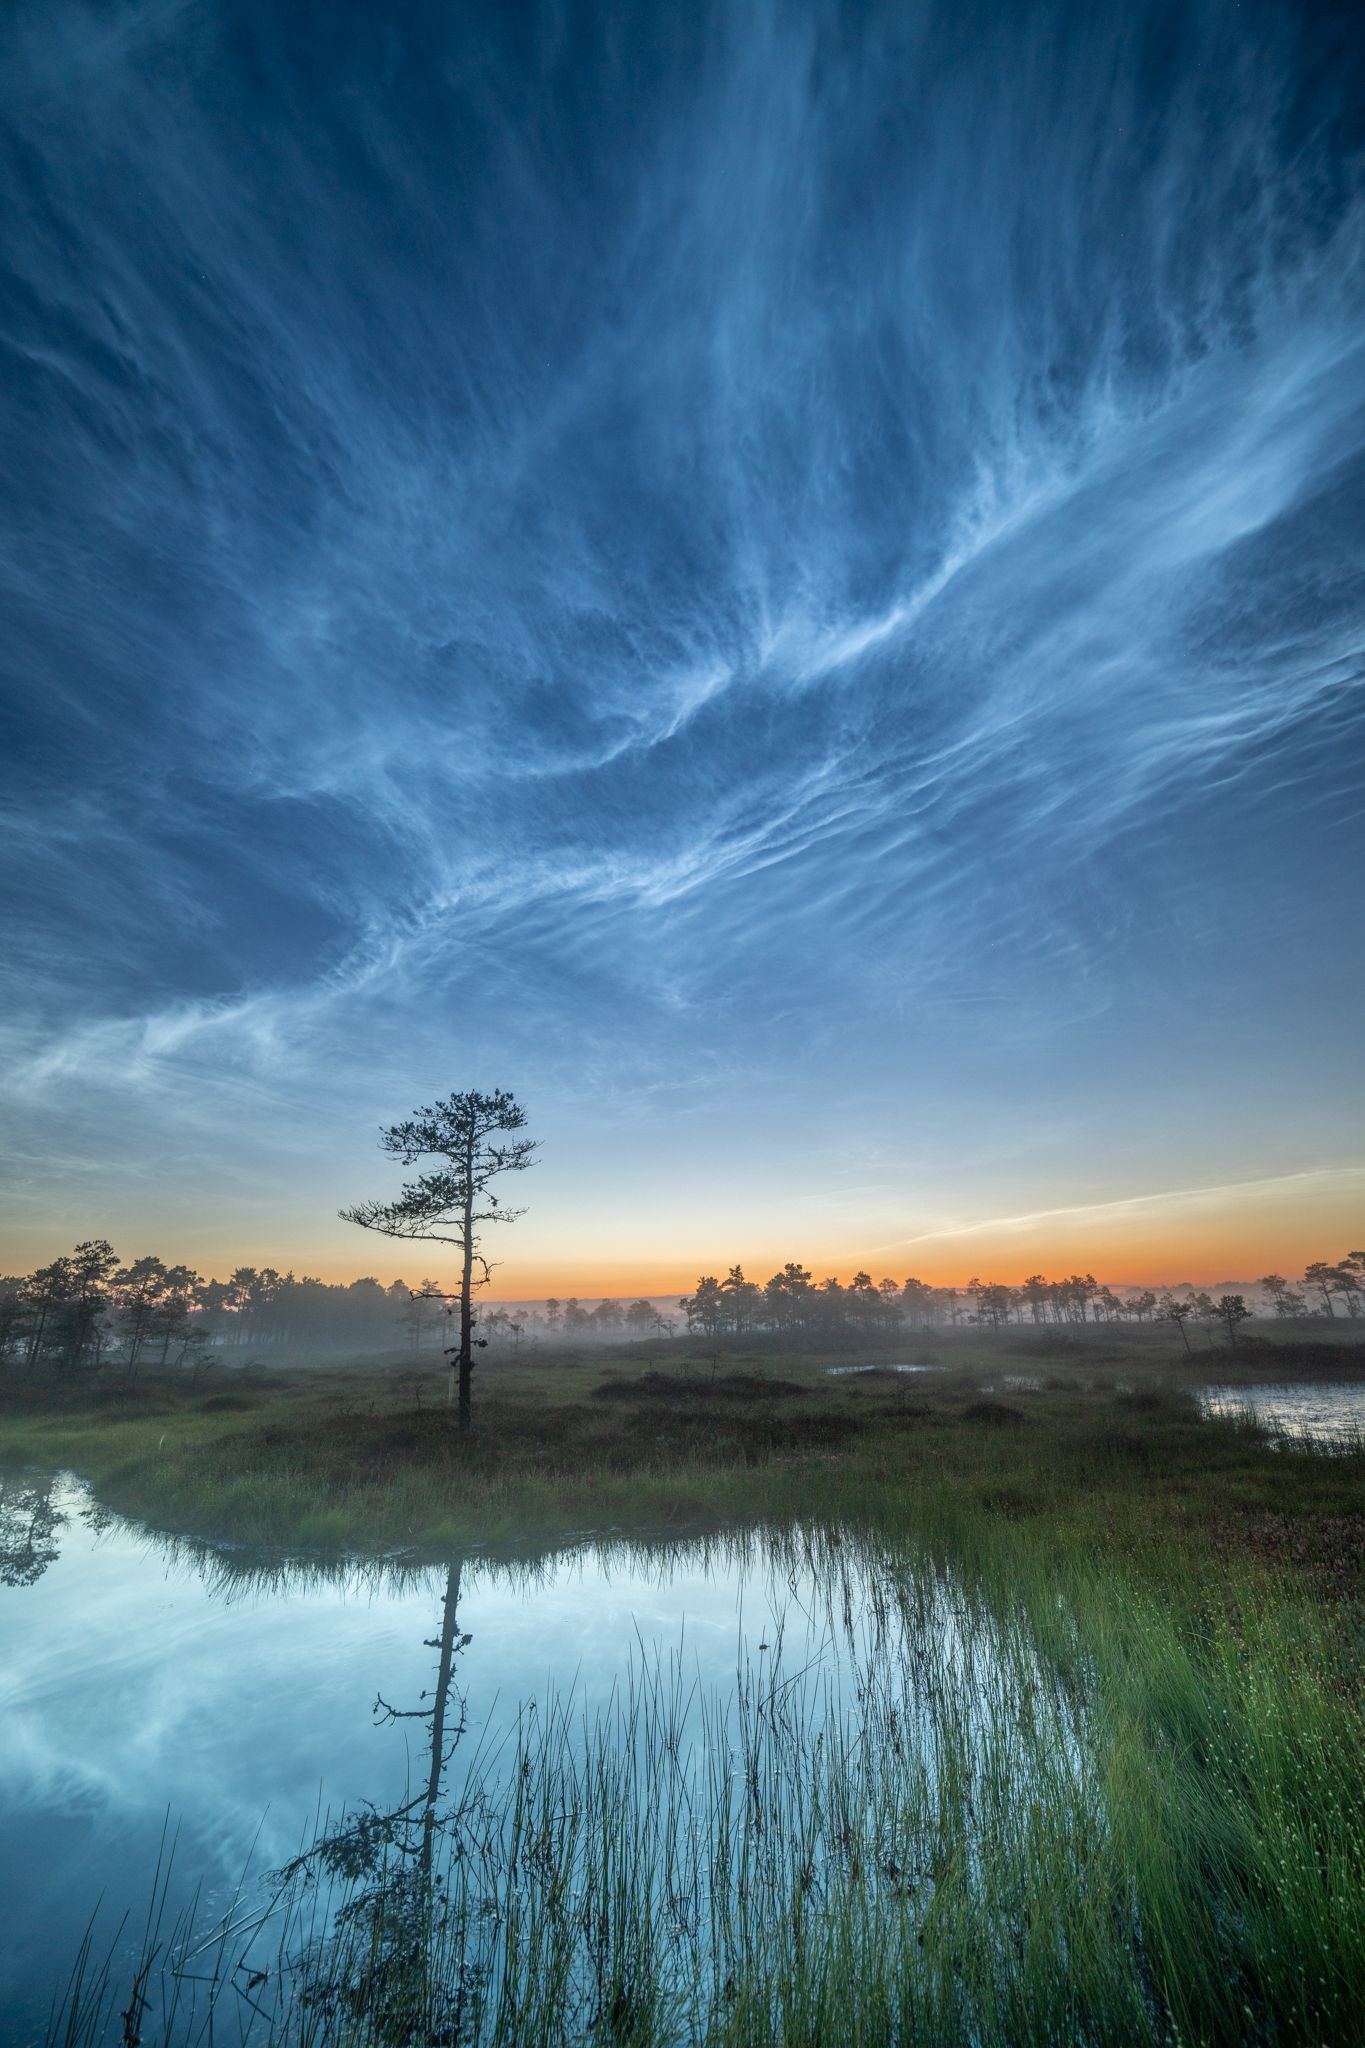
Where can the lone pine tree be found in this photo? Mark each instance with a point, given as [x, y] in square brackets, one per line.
[447, 1205]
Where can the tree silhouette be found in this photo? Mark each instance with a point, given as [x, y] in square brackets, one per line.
[706, 1308]
[389, 1856]
[448, 1205]
[1232, 1310]
[1174, 1310]
[141, 1289]
[1277, 1287]
[1325, 1278]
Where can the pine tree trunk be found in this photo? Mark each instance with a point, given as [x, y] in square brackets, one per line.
[466, 1359]
[438, 1717]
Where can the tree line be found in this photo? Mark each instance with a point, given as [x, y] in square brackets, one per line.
[86, 1308]
[793, 1304]
[89, 1308]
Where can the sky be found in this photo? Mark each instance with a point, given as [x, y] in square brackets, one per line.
[785, 582]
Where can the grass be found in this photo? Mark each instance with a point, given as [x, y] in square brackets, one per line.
[1097, 1775]
[1042, 1806]
[1110, 1448]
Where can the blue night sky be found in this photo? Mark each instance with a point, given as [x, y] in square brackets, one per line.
[785, 581]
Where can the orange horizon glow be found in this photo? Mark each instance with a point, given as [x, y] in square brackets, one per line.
[1197, 1235]
[1174, 1265]
[538, 1283]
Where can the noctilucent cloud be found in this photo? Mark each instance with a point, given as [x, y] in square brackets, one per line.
[785, 581]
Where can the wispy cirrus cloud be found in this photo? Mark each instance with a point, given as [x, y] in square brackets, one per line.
[670, 548]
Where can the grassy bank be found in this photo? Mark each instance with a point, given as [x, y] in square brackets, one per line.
[1101, 1443]
[1099, 1775]
[1053, 1804]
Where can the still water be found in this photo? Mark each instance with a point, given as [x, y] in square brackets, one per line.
[839, 1372]
[1321, 1412]
[249, 1701]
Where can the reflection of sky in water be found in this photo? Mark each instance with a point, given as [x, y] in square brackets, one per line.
[1327, 1414]
[143, 1678]
[838, 1372]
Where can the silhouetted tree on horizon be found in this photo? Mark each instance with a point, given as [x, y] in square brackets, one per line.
[1232, 1310]
[1173, 1310]
[86, 1312]
[443, 1207]
[1325, 1278]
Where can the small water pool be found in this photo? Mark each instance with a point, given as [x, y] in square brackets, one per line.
[251, 1705]
[1324, 1413]
[836, 1372]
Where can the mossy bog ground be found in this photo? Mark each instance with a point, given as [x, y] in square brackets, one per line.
[1194, 1591]
[1098, 1440]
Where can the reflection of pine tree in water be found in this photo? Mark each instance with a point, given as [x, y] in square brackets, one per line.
[448, 1643]
[389, 1855]
[29, 1521]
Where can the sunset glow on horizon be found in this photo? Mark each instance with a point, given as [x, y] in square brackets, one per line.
[1192, 1235]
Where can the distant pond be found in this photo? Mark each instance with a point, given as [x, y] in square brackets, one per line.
[839, 1372]
[1324, 1413]
[250, 1707]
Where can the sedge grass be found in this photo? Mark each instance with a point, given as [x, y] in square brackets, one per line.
[345, 1461]
[1032, 1802]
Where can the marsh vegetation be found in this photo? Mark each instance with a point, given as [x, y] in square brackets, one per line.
[1012, 1701]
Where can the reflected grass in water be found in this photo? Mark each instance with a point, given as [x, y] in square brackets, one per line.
[1024, 1805]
